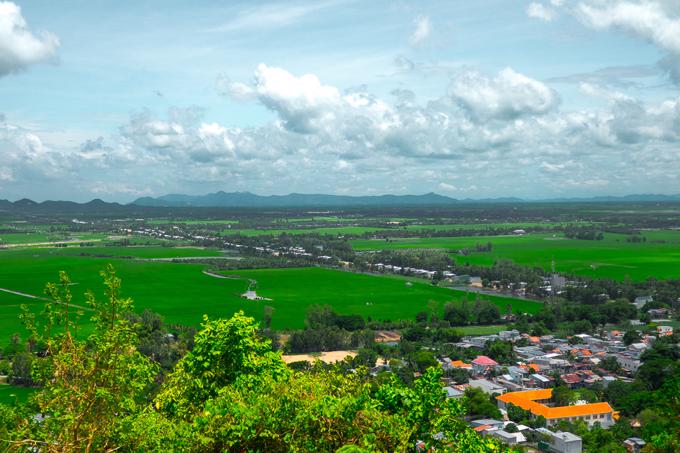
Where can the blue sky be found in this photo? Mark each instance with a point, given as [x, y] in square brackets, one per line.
[117, 99]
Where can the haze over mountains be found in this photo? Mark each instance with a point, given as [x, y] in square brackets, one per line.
[248, 199]
[295, 200]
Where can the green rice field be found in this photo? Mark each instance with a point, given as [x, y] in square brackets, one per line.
[152, 252]
[611, 257]
[182, 293]
[10, 393]
[294, 228]
[192, 222]
[334, 231]
[26, 238]
[292, 290]
[31, 238]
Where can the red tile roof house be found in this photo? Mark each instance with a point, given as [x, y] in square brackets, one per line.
[482, 364]
[572, 380]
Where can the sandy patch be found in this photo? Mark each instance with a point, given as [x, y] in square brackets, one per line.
[385, 336]
[327, 357]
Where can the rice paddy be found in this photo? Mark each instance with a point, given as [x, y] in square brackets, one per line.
[612, 257]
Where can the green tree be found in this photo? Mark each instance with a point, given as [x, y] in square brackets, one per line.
[225, 350]
[516, 413]
[479, 404]
[365, 357]
[458, 375]
[562, 396]
[87, 387]
[631, 336]
[267, 316]
[610, 363]
[499, 350]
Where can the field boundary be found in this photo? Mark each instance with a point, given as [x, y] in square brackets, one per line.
[32, 296]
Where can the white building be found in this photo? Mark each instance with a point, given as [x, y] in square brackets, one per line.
[562, 442]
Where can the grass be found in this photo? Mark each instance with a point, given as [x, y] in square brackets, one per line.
[481, 226]
[182, 293]
[360, 230]
[11, 393]
[482, 330]
[381, 298]
[27, 238]
[612, 257]
[32, 238]
[9, 314]
[191, 222]
[133, 252]
[334, 231]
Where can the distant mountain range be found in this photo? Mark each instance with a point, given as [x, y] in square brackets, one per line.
[220, 200]
[298, 200]
[248, 199]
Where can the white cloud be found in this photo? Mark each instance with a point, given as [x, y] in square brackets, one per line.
[508, 95]
[26, 158]
[655, 21]
[235, 90]
[540, 11]
[302, 102]
[272, 15]
[508, 136]
[19, 48]
[597, 91]
[647, 19]
[6, 174]
[422, 31]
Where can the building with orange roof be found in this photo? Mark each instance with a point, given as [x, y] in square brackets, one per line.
[461, 364]
[538, 402]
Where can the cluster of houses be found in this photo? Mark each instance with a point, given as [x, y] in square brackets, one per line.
[178, 234]
[542, 363]
[158, 233]
[424, 273]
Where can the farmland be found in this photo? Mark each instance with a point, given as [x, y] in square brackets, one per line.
[612, 257]
[342, 230]
[10, 394]
[378, 226]
[182, 293]
[292, 290]
[43, 237]
[133, 252]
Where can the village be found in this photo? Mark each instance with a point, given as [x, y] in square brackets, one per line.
[542, 364]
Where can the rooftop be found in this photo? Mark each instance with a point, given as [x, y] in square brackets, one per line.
[485, 361]
[460, 364]
[527, 401]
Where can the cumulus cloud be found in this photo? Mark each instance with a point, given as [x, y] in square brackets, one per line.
[655, 21]
[19, 47]
[647, 19]
[485, 127]
[182, 134]
[423, 30]
[540, 11]
[508, 95]
[491, 134]
[24, 156]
